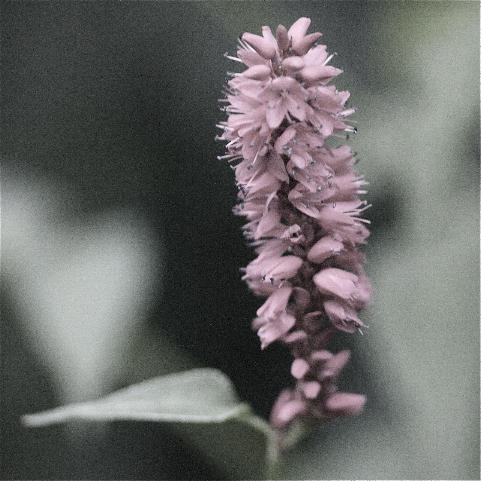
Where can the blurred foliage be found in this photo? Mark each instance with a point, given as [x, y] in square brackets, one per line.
[114, 103]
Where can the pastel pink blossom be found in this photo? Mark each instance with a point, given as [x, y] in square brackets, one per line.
[274, 329]
[300, 196]
[324, 248]
[336, 282]
[289, 406]
[275, 304]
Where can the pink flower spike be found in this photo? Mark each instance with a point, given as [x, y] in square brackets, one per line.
[300, 198]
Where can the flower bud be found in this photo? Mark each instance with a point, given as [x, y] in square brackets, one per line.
[260, 45]
[293, 64]
[257, 72]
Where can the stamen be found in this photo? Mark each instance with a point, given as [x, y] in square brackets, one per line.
[226, 55]
[327, 59]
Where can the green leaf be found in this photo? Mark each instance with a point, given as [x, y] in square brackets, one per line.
[204, 410]
[196, 396]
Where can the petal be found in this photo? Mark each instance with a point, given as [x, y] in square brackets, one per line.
[362, 296]
[282, 142]
[287, 407]
[297, 199]
[345, 404]
[293, 64]
[342, 316]
[282, 37]
[299, 28]
[276, 167]
[269, 224]
[275, 114]
[333, 219]
[260, 45]
[257, 72]
[334, 365]
[303, 45]
[321, 356]
[267, 34]
[336, 282]
[316, 56]
[296, 108]
[311, 389]
[324, 248]
[299, 368]
[299, 161]
[251, 58]
[271, 331]
[275, 304]
[319, 73]
[295, 337]
[286, 268]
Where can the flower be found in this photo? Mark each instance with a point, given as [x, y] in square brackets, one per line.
[300, 196]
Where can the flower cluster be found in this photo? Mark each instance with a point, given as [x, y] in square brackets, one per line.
[300, 197]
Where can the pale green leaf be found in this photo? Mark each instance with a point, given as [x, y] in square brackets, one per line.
[196, 396]
[203, 409]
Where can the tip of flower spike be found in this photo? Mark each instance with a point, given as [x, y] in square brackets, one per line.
[284, 85]
[299, 28]
[282, 37]
[302, 46]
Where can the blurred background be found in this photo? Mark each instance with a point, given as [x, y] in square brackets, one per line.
[121, 257]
